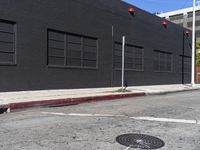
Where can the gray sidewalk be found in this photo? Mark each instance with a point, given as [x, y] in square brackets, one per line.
[25, 99]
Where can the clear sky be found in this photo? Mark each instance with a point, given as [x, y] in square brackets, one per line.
[161, 5]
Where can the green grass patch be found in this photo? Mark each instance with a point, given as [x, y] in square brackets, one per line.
[122, 90]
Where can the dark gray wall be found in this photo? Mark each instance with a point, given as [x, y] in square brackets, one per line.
[93, 18]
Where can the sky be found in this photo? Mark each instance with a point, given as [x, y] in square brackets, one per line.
[161, 5]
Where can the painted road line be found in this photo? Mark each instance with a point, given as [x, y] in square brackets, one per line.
[166, 120]
[94, 115]
[82, 115]
[135, 118]
[54, 113]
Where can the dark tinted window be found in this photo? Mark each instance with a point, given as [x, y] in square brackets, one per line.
[162, 61]
[67, 49]
[133, 59]
[7, 42]
[187, 64]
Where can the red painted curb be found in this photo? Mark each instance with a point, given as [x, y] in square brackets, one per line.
[21, 105]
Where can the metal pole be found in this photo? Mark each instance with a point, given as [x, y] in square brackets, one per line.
[112, 72]
[183, 54]
[193, 46]
[123, 48]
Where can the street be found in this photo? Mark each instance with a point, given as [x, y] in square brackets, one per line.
[174, 118]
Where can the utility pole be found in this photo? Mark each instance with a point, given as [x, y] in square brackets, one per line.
[193, 46]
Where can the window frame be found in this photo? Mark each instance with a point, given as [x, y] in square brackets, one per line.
[65, 66]
[185, 67]
[162, 52]
[176, 17]
[128, 69]
[14, 42]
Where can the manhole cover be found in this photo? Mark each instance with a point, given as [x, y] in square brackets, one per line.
[140, 141]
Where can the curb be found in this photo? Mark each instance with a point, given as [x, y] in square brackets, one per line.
[71, 101]
[170, 92]
[23, 105]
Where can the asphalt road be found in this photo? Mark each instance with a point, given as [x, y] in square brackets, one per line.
[174, 118]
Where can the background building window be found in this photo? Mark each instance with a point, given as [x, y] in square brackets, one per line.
[190, 14]
[189, 24]
[162, 61]
[71, 50]
[133, 57]
[7, 43]
[197, 23]
[198, 33]
[176, 17]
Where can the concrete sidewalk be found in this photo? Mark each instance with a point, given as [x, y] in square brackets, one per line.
[25, 99]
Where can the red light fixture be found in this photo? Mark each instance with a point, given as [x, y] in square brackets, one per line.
[187, 33]
[131, 11]
[164, 24]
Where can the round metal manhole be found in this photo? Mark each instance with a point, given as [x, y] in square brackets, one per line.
[140, 141]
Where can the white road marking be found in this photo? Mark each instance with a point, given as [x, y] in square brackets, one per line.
[94, 115]
[166, 120]
[82, 115]
[53, 113]
[135, 118]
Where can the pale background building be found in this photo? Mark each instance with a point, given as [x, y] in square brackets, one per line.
[183, 17]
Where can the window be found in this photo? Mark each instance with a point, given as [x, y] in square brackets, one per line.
[189, 24]
[197, 13]
[190, 14]
[198, 33]
[176, 17]
[187, 64]
[7, 43]
[71, 50]
[197, 24]
[162, 61]
[133, 57]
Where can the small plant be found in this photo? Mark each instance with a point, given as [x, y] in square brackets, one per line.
[122, 90]
[198, 53]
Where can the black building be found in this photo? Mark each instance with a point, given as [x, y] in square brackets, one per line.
[48, 44]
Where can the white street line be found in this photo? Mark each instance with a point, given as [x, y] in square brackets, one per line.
[52, 113]
[166, 120]
[94, 115]
[82, 115]
[135, 118]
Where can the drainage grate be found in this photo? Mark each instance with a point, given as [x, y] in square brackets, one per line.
[140, 141]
